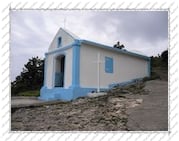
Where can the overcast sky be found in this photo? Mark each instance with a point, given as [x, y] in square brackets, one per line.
[144, 32]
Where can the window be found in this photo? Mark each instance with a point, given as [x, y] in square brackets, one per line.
[59, 41]
[108, 65]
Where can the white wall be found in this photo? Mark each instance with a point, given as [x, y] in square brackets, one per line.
[66, 40]
[50, 72]
[68, 68]
[125, 67]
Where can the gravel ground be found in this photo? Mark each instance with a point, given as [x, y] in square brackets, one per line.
[103, 113]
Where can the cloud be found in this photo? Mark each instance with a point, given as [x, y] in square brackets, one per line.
[33, 30]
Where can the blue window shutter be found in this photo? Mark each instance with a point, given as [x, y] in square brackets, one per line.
[108, 65]
[59, 41]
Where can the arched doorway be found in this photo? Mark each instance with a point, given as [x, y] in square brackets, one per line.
[59, 71]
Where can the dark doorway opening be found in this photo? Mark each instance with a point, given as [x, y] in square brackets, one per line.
[59, 71]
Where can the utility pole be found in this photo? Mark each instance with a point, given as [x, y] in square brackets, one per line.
[98, 63]
[98, 72]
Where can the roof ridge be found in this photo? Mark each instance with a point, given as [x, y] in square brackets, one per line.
[70, 33]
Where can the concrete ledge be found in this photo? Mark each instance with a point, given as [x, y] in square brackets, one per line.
[96, 94]
[31, 102]
[23, 97]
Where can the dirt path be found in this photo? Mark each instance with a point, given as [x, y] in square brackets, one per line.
[152, 114]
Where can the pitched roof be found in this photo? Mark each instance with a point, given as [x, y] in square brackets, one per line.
[123, 51]
[70, 34]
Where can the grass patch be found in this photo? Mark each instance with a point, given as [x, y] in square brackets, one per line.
[30, 93]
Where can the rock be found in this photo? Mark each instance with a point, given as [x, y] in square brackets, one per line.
[125, 91]
[101, 112]
[139, 101]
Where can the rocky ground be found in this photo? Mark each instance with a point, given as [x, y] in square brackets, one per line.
[107, 112]
[142, 106]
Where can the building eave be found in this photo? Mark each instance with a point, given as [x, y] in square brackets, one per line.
[114, 49]
[59, 50]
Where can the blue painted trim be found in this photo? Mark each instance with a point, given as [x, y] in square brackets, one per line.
[54, 67]
[115, 49]
[76, 64]
[65, 94]
[149, 67]
[124, 83]
[59, 49]
[74, 92]
[108, 65]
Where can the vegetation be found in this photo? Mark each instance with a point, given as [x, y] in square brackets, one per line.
[30, 79]
[118, 45]
[159, 66]
[29, 93]
[160, 61]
